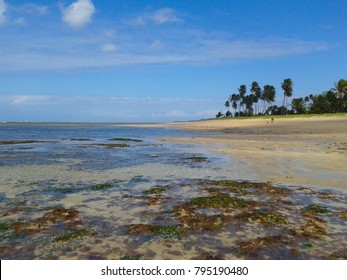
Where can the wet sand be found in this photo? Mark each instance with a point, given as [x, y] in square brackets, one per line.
[295, 151]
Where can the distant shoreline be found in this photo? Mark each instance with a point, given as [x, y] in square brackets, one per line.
[187, 122]
[292, 151]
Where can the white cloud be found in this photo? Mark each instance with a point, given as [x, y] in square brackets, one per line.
[74, 51]
[3, 10]
[156, 45]
[159, 17]
[253, 49]
[24, 100]
[20, 21]
[138, 21]
[166, 15]
[110, 33]
[108, 48]
[175, 113]
[34, 9]
[79, 13]
[104, 108]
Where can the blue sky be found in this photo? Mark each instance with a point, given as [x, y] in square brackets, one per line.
[93, 60]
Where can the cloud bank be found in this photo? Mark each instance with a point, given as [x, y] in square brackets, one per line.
[103, 108]
[58, 53]
[2, 11]
[79, 13]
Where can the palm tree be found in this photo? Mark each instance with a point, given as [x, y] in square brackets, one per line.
[341, 92]
[269, 94]
[227, 105]
[299, 106]
[341, 88]
[233, 100]
[256, 90]
[287, 87]
[242, 93]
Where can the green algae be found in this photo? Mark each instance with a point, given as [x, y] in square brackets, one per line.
[131, 258]
[15, 142]
[229, 183]
[317, 209]
[101, 187]
[217, 224]
[270, 218]
[306, 245]
[155, 190]
[217, 201]
[343, 215]
[78, 233]
[125, 139]
[172, 231]
[168, 231]
[111, 146]
[205, 217]
[80, 139]
[139, 179]
[5, 226]
[196, 159]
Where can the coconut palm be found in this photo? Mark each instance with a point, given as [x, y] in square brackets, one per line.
[298, 105]
[227, 104]
[256, 90]
[242, 93]
[269, 94]
[341, 88]
[233, 99]
[341, 92]
[287, 87]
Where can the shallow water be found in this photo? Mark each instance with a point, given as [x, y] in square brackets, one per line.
[70, 192]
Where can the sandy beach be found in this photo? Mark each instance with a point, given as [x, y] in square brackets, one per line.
[292, 151]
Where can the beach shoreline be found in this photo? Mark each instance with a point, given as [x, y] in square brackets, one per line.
[291, 151]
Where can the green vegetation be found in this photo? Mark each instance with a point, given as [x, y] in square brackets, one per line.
[15, 142]
[111, 146]
[125, 139]
[156, 190]
[270, 218]
[167, 231]
[230, 183]
[80, 139]
[79, 233]
[306, 245]
[317, 209]
[5, 226]
[217, 201]
[100, 187]
[130, 258]
[259, 101]
[196, 159]
[343, 215]
[139, 179]
[173, 231]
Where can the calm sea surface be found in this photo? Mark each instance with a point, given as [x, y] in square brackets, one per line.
[118, 192]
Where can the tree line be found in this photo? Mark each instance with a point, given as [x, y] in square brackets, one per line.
[260, 101]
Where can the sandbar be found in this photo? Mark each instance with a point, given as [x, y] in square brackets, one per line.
[310, 151]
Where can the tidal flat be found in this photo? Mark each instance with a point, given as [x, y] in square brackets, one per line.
[68, 198]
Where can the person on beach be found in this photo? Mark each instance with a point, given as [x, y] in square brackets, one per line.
[272, 120]
[267, 121]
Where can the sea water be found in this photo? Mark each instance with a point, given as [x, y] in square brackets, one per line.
[89, 168]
